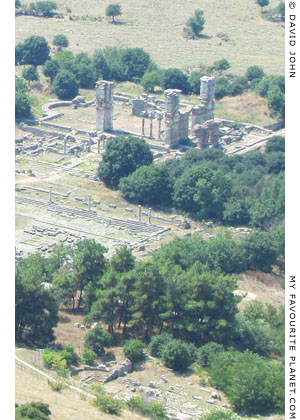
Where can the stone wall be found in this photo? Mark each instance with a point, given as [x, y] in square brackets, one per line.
[176, 122]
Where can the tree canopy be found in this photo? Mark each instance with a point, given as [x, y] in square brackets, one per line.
[34, 50]
[195, 24]
[123, 155]
[65, 85]
[113, 10]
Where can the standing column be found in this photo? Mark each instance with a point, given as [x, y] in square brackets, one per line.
[149, 215]
[159, 128]
[143, 126]
[50, 194]
[140, 212]
[89, 202]
[151, 126]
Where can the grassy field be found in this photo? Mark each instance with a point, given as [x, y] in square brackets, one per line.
[157, 26]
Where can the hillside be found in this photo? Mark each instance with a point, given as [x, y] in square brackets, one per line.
[157, 26]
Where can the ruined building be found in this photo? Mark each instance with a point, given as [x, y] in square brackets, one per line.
[205, 111]
[176, 122]
[104, 105]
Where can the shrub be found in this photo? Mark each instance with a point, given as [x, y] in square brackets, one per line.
[107, 404]
[30, 73]
[176, 355]
[97, 339]
[50, 69]
[206, 353]
[150, 80]
[55, 386]
[65, 86]
[221, 65]
[22, 105]
[254, 73]
[155, 410]
[251, 383]
[176, 79]
[158, 342]
[88, 357]
[54, 360]
[195, 25]
[60, 40]
[222, 87]
[134, 350]
[35, 410]
[218, 414]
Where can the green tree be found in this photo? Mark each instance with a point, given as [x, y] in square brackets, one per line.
[195, 81]
[50, 69]
[97, 339]
[254, 74]
[176, 79]
[260, 251]
[276, 101]
[20, 85]
[195, 25]
[150, 80]
[149, 297]
[158, 342]
[100, 65]
[17, 4]
[262, 3]
[113, 57]
[30, 73]
[89, 264]
[123, 260]
[88, 357]
[222, 87]
[176, 355]
[221, 65]
[147, 185]
[22, 105]
[43, 8]
[252, 384]
[35, 50]
[276, 144]
[60, 41]
[65, 285]
[134, 350]
[206, 352]
[123, 155]
[113, 10]
[19, 54]
[36, 308]
[135, 62]
[65, 85]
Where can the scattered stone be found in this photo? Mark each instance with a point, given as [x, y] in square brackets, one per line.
[164, 378]
[214, 395]
[211, 401]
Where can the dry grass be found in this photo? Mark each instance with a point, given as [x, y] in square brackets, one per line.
[158, 27]
[247, 108]
[64, 405]
[261, 286]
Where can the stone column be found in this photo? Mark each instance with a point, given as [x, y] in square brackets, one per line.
[89, 202]
[140, 212]
[65, 145]
[151, 127]
[159, 127]
[104, 105]
[149, 215]
[50, 194]
[143, 126]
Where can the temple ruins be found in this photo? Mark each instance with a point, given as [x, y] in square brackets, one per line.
[104, 105]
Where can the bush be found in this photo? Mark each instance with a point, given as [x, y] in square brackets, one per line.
[218, 414]
[195, 82]
[158, 342]
[155, 410]
[22, 105]
[107, 404]
[134, 350]
[88, 357]
[254, 73]
[176, 355]
[55, 386]
[252, 384]
[35, 50]
[60, 40]
[43, 8]
[150, 80]
[30, 73]
[221, 65]
[97, 339]
[54, 360]
[50, 69]
[176, 79]
[35, 411]
[65, 86]
[222, 87]
[206, 353]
